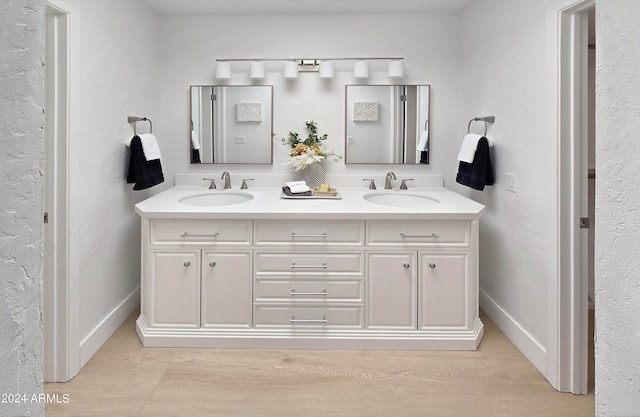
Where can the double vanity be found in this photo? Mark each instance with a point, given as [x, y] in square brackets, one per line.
[371, 269]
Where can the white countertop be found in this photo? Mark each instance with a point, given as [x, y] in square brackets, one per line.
[267, 204]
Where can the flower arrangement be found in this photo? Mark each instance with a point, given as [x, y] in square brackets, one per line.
[305, 152]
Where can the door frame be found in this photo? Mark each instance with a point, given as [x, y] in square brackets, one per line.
[61, 305]
[567, 292]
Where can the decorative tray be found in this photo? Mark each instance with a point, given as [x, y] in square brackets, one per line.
[332, 194]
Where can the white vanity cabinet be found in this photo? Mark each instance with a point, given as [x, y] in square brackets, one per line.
[309, 275]
[196, 274]
[428, 267]
[310, 279]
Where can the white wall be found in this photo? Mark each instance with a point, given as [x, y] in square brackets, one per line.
[504, 52]
[21, 232]
[430, 45]
[119, 77]
[617, 202]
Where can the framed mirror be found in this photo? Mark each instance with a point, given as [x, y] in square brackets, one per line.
[387, 124]
[231, 124]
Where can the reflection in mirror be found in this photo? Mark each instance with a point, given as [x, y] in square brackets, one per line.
[231, 124]
[387, 124]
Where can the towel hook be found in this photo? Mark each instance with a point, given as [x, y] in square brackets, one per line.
[486, 120]
[135, 120]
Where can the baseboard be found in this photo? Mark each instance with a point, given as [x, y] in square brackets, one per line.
[96, 338]
[527, 344]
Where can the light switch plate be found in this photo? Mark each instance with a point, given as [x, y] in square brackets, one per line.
[510, 182]
[240, 140]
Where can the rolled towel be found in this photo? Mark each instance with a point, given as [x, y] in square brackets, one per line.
[423, 141]
[150, 147]
[468, 148]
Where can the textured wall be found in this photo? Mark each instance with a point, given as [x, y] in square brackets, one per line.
[21, 154]
[617, 206]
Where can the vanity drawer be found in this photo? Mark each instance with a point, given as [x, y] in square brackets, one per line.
[229, 232]
[315, 232]
[308, 263]
[307, 291]
[418, 233]
[309, 317]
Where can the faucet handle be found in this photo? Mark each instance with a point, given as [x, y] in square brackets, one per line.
[372, 184]
[212, 185]
[403, 186]
[244, 183]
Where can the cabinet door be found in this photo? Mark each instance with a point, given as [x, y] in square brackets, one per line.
[175, 288]
[391, 290]
[226, 289]
[443, 290]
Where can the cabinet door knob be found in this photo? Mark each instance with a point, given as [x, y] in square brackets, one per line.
[187, 263]
[432, 265]
[406, 264]
[212, 264]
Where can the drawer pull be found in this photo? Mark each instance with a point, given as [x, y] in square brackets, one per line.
[322, 235]
[309, 321]
[187, 234]
[432, 265]
[406, 265]
[294, 266]
[187, 264]
[212, 264]
[293, 292]
[431, 236]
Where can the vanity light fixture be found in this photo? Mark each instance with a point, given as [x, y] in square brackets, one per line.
[291, 69]
[395, 69]
[325, 69]
[256, 70]
[223, 70]
[361, 69]
[323, 66]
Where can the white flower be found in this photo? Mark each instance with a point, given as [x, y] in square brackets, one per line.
[303, 160]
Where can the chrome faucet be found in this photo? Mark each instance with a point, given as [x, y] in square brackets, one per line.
[387, 180]
[227, 180]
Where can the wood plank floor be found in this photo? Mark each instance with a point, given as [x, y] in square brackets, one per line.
[125, 379]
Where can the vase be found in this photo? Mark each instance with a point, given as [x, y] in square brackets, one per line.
[312, 174]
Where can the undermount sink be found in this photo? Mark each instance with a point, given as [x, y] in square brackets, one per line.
[216, 199]
[399, 199]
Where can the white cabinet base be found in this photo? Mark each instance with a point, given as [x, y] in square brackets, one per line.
[344, 284]
[444, 339]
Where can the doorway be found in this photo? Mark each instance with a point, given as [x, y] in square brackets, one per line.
[60, 302]
[568, 290]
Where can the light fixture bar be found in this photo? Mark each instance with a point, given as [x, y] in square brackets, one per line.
[306, 59]
[292, 66]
